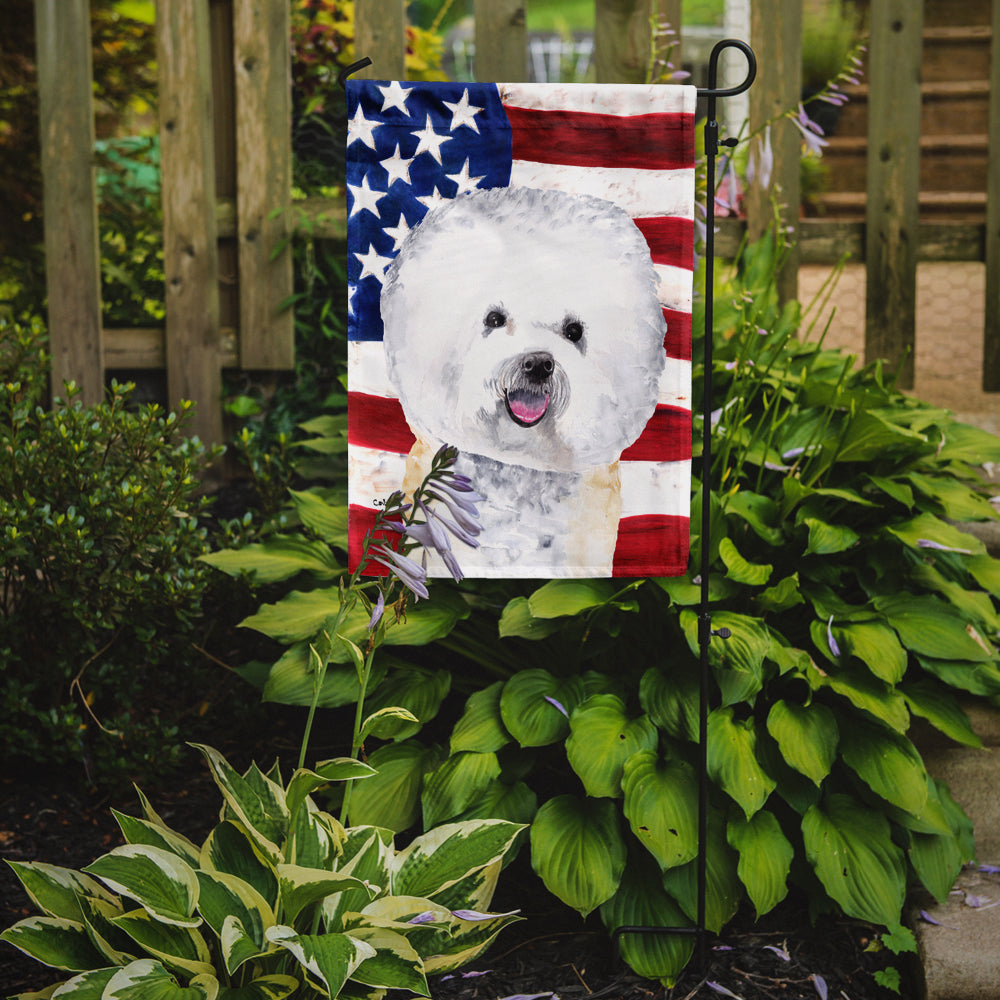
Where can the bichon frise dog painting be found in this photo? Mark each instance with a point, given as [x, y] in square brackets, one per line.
[539, 323]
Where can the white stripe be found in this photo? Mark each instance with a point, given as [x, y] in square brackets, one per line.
[366, 370]
[373, 474]
[675, 287]
[605, 99]
[675, 384]
[639, 192]
[656, 488]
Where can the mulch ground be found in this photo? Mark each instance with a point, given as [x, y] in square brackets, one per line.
[551, 952]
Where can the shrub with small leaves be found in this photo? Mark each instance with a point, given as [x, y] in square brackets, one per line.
[100, 579]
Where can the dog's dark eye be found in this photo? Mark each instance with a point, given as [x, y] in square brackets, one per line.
[495, 318]
[572, 330]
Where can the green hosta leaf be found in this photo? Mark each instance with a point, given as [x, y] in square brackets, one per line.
[279, 558]
[783, 595]
[230, 849]
[671, 700]
[932, 628]
[391, 798]
[888, 763]
[301, 887]
[274, 987]
[530, 706]
[986, 571]
[56, 891]
[758, 511]
[456, 784]
[850, 847]
[976, 678]
[415, 689]
[516, 803]
[441, 857]
[147, 979]
[957, 501]
[738, 661]
[976, 605]
[941, 709]
[330, 959]
[870, 435]
[661, 800]
[928, 528]
[827, 539]
[738, 569]
[723, 889]
[578, 851]
[395, 964]
[641, 901]
[225, 897]
[765, 858]
[807, 736]
[291, 680]
[865, 692]
[385, 723]
[481, 728]
[558, 598]
[260, 809]
[876, 646]
[732, 760]
[683, 592]
[965, 443]
[517, 620]
[54, 941]
[159, 881]
[141, 831]
[937, 859]
[327, 520]
[893, 488]
[602, 738]
[180, 948]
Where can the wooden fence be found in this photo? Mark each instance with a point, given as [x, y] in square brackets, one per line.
[226, 160]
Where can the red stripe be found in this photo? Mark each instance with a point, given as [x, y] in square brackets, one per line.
[651, 545]
[666, 438]
[585, 139]
[670, 239]
[361, 520]
[677, 342]
[378, 422]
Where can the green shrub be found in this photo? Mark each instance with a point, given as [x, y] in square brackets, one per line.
[99, 539]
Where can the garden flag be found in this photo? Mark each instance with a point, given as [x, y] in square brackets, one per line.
[520, 279]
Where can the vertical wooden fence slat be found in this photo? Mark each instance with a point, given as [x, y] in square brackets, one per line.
[991, 332]
[190, 254]
[622, 40]
[776, 35]
[380, 34]
[501, 41]
[262, 60]
[72, 256]
[669, 11]
[893, 183]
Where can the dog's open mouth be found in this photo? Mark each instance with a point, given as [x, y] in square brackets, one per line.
[526, 407]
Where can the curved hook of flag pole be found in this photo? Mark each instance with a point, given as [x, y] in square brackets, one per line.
[352, 68]
[713, 69]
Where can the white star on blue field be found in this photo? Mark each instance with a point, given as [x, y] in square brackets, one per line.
[409, 148]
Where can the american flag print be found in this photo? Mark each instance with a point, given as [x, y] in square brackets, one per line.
[554, 222]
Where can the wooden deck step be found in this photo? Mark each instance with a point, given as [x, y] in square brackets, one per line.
[958, 206]
[945, 103]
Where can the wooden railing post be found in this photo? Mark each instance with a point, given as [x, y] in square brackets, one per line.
[893, 183]
[190, 251]
[991, 333]
[776, 34]
[380, 34]
[501, 41]
[623, 37]
[72, 255]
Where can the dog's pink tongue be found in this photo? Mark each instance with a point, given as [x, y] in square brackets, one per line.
[528, 408]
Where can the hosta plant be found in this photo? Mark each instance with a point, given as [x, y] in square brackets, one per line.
[279, 900]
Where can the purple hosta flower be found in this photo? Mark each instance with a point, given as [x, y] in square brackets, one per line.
[927, 543]
[475, 915]
[811, 132]
[377, 611]
[466, 975]
[927, 918]
[990, 869]
[834, 648]
[780, 952]
[727, 198]
[719, 988]
[411, 574]
[427, 917]
[761, 164]
[820, 983]
[530, 996]
[552, 701]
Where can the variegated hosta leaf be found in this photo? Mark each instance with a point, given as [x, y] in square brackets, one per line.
[304, 782]
[86, 986]
[578, 851]
[642, 902]
[732, 760]
[56, 891]
[441, 857]
[177, 947]
[850, 847]
[300, 887]
[476, 890]
[602, 737]
[256, 801]
[329, 959]
[230, 849]
[116, 946]
[225, 897]
[367, 853]
[315, 838]
[765, 858]
[661, 800]
[274, 987]
[141, 831]
[158, 880]
[395, 964]
[456, 784]
[807, 736]
[481, 727]
[147, 979]
[54, 941]
[535, 706]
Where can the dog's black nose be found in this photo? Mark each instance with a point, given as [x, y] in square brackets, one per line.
[537, 366]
